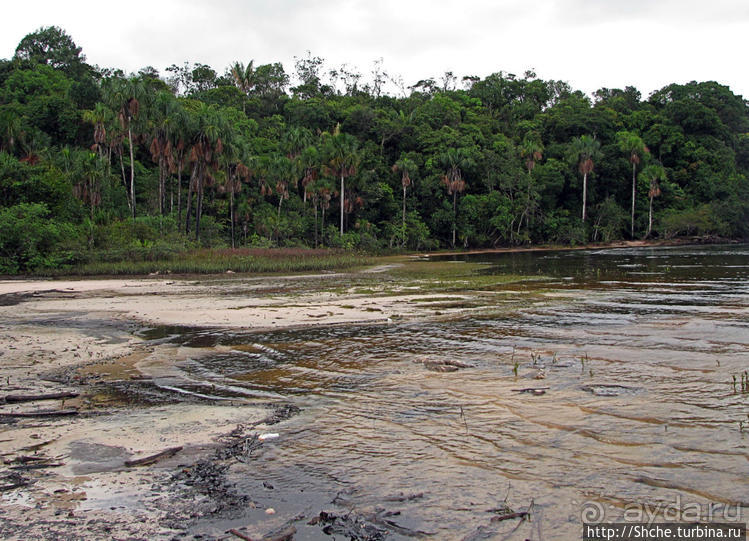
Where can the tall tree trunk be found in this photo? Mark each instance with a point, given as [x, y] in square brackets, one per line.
[91, 222]
[199, 209]
[342, 205]
[585, 193]
[188, 203]
[403, 226]
[455, 214]
[278, 219]
[132, 168]
[528, 203]
[179, 193]
[231, 213]
[161, 186]
[124, 180]
[634, 184]
[322, 228]
[650, 218]
[315, 205]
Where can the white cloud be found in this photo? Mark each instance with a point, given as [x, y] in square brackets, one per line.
[589, 43]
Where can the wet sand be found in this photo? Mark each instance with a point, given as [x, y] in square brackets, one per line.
[78, 336]
[633, 351]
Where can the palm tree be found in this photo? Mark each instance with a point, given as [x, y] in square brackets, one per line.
[633, 145]
[234, 171]
[281, 169]
[180, 133]
[406, 167]
[11, 129]
[653, 175]
[585, 149]
[244, 78]
[162, 121]
[88, 170]
[124, 96]
[325, 194]
[310, 165]
[99, 116]
[207, 146]
[294, 141]
[342, 160]
[531, 150]
[452, 162]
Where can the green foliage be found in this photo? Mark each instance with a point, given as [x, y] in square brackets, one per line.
[30, 240]
[563, 228]
[694, 221]
[139, 168]
[609, 221]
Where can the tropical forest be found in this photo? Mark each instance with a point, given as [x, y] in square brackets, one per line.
[102, 170]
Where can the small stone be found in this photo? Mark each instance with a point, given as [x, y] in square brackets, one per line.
[270, 511]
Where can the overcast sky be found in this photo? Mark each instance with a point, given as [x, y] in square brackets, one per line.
[588, 43]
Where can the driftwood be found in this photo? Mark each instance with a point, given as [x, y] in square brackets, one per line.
[27, 459]
[145, 461]
[19, 484]
[14, 398]
[37, 446]
[38, 466]
[508, 516]
[13, 481]
[42, 413]
[239, 534]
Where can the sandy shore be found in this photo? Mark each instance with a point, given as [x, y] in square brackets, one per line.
[78, 336]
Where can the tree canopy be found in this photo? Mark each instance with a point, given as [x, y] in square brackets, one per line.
[254, 155]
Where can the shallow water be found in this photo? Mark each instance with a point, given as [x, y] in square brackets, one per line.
[637, 347]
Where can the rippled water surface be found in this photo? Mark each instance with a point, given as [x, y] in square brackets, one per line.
[636, 350]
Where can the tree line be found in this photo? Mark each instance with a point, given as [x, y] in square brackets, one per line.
[97, 161]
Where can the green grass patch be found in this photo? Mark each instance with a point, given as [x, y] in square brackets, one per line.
[255, 261]
[449, 276]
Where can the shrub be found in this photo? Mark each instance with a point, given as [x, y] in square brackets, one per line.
[30, 240]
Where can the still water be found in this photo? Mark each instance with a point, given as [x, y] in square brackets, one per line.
[634, 350]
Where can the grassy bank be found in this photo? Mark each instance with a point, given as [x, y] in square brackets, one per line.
[249, 260]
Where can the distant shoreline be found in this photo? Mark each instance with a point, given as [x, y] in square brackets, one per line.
[680, 241]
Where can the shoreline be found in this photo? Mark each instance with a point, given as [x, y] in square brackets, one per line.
[680, 241]
[79, 336]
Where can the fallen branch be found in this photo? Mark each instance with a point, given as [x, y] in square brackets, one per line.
[38, 466]
[145, 461]
[37, 446]
[43, 413]
[508, 516]
[14, 480]
[4, 488]
[27, 459]
[15, 398]
[239, 534]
